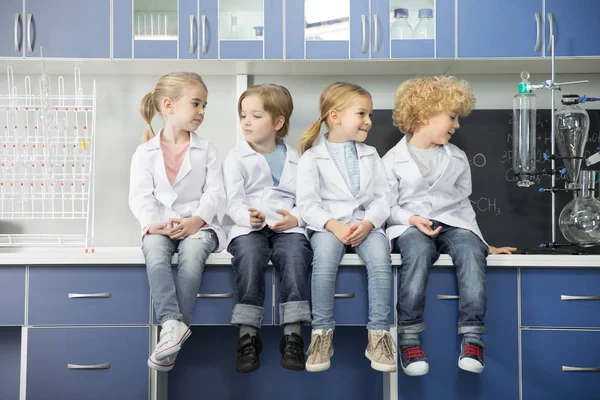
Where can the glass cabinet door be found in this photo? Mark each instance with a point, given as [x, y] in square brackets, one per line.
[250, 29]
[155, 28]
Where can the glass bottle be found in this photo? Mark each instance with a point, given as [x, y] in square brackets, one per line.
[524, 133]
[579, 220]
[424, 28]
[401, 29]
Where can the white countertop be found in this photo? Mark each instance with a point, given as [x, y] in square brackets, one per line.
[133, 255]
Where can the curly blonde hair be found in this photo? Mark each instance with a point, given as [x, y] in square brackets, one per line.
[418, 99]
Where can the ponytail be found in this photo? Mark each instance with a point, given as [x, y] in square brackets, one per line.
[148, 109]
[310, 135]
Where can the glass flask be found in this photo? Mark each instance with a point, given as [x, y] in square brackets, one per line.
[524, 133]
[579, 220]
[572, 124]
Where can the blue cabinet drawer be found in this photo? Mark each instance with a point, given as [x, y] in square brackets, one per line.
[88, 295]
[560, 364]
[351, 304]
[561, 297]
[12, 295]
[88, 363]
[216, 297]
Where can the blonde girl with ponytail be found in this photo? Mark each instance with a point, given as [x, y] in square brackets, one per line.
[343, 196]
[176, 191]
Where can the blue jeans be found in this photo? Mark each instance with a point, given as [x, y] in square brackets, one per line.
[419, 252]
[291, 254]
[374, 251]
[175, 298]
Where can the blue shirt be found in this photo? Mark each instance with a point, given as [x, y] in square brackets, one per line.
[276, 161]
[345, 158]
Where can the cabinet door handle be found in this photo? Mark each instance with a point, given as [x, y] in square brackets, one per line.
[191, 34]
[376, 36]
[579, 369]
[551, 24]
[214, 295]
[29, 44]
[204, 34]
[363, 19]
[537, 32]
[447, 297]
[97, 366]
[89, 295]
[344, 295]
[17, 19]
[566, 297]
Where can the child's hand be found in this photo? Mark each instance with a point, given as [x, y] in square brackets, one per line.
[424, 225]
[502, 250]
[184, 227]
[159, 229]
[360, 230]
[288, 221]
[339, 229]
[256, 218]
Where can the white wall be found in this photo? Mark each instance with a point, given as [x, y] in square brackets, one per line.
[120, 127]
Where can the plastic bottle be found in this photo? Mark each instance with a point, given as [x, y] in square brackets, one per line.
[424, 28]
[401, 29]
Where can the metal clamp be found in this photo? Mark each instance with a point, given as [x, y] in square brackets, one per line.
[89, 295]
[214, 295]
[344, 295]
[97, 366]
[447, 297]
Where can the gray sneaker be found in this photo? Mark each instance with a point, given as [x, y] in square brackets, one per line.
[320, 350]
[413, 361]
[380, 350]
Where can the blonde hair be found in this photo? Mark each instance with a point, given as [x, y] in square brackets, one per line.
[338, 96]
[172, 85]
[420, 98]
[277, 101]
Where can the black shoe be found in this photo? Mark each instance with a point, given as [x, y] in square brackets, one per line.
[292, 352]
[248, 350]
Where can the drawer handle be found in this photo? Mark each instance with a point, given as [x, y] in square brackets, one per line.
[214, 295]
[344, 295]
[17, 19]
[89, 295]
[447, 297]
[29, 43]
[565, 297]
[579, 369]
[97, 366]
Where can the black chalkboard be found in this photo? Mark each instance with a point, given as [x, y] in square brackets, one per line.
[506, 213]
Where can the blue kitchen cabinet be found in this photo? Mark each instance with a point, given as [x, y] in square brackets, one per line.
[67, 28]
[560, 364]
[88, 363]
[12, 295]
[510, 28]
[206, 366]
[500, 379]
[574, 25]
[10, 368]
[11, 28]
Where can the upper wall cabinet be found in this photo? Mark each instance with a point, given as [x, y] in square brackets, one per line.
[574, 25]
[509, 28]
[192, 29]
[362, 29]
[11, 28]
[62, 28]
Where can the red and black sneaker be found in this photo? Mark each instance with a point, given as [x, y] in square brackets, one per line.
[471, 358]
[413, 361]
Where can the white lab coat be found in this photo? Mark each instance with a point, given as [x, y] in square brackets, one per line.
[447, 200]
[198, 188]
[323, 194]
[249, 184]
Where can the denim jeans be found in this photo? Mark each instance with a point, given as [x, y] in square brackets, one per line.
[419, 252]
[374, 251]
[175, 298]
[291, 254]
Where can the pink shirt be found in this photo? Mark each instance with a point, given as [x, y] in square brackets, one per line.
[174, 155]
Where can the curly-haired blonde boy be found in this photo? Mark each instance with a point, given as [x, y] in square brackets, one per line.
[430, 181]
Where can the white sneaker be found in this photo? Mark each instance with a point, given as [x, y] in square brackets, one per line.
[380, 350]
[172, 336]
[163, 366]
[320, 350]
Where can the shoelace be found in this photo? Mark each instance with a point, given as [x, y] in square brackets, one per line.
[294, 348]
[247, 349]
[388, 347]
[414, 352]
[473, 350]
